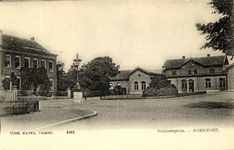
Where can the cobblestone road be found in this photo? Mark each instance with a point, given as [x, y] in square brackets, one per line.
[208, 110]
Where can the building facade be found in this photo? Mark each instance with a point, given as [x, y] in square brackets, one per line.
[16, 53]
[230, 77]
[133, 81]
[197, 74]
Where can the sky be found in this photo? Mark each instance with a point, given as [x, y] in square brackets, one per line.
[139, 33]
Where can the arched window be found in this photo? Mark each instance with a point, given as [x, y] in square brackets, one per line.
[17, 62]
[136, 85]
[184, 84]
[43, 63]
[27, 62]
[143, 85]
[7, 82]
[8, 61]
[35, 63]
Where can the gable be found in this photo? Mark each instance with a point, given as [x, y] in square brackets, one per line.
[139, 73]
[191, 64]
[122, 75]
[144, 71]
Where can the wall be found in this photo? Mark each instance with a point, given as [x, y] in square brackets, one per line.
[8, 71]
[230, 78]
[135, 77]
[199, 83]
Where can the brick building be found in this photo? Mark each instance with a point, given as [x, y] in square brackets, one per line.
[197, 74]
[17, 52]
[133, 81]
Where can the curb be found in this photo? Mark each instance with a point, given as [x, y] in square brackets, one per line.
[68, 121]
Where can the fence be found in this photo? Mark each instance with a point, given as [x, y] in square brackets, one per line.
[19, 107]
[116, 97]
[124, 97]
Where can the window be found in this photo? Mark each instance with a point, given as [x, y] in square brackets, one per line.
[27, 86]
[51, 66]
[208, 83]
[17, 62]
[18, 83]
[51, 85]
[189, 71]
[8, 61]
[173, 72]
[143, 85]
[184, 84]
[43, 64]
[136, 85]
[212, 70]
[7, 83]
[222, 82]
[27, 62]
[195, 71]
[35, 63]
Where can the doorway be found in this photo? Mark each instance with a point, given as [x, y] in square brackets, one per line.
[191, 85]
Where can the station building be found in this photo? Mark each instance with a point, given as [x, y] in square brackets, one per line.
[133, 81]
[198, 74]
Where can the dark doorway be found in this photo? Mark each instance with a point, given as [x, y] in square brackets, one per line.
[191, 85]
[222, 84]
[184, 85]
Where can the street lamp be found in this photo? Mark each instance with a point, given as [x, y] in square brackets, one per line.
[76, 63]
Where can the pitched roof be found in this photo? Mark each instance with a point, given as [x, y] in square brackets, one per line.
[205, 61]
[159, 71]
[122, 75]
[228, 66]
[20, 44]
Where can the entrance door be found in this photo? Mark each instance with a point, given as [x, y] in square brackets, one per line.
[222, 84]
[184, 85]
[191, 85]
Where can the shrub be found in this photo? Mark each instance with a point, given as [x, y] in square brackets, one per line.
[165, 91]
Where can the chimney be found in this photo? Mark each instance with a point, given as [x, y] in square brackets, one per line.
[32, 38]
[208, 55]
[183, 57]
[0, 37]
[77, 56]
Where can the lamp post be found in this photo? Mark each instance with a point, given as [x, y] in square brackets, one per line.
[76, 63]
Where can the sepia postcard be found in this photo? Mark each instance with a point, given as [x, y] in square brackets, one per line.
[116, 74]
